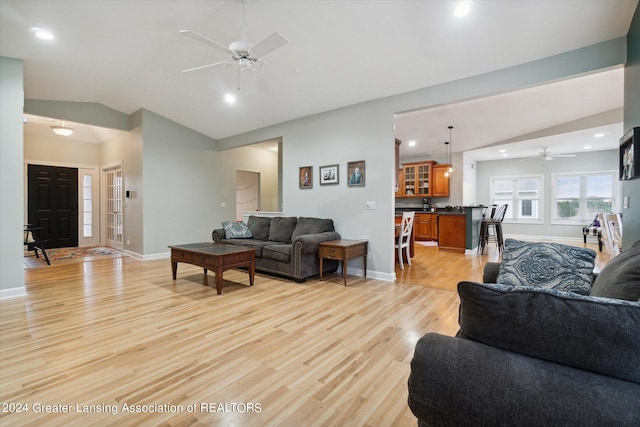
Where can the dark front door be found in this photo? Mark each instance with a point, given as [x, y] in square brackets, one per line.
[53, 204]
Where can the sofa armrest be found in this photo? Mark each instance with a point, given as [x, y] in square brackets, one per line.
[308, 243]
[455, 381]
[490, 273]
[218, 234]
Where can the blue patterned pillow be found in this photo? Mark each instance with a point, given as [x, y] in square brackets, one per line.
[236, 230]
[547, 265]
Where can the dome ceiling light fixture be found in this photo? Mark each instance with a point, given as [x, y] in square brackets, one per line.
[62, 129]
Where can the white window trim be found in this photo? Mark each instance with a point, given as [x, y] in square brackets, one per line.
[615, 194]
[541, 199]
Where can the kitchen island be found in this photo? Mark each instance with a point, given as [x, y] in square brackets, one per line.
[458, 228]
[455, 229]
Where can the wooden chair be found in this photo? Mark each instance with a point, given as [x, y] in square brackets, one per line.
[402, 241]
[33, 241]
[612, 229]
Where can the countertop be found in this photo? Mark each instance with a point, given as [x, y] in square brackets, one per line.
[459, 210]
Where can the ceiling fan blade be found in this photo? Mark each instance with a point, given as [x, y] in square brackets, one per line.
[208, 42]
[273, 42]
[206, 66]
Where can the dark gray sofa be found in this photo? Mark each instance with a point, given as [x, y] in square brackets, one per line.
[536, 357]
[286, 246]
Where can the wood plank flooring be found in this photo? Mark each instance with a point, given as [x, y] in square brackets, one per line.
[97, 338]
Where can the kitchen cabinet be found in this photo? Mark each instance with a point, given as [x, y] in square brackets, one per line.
[417, 179]
[425, 226]
[452, 234]
[439, 181]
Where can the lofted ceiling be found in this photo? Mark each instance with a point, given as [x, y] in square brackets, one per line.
[129, 55]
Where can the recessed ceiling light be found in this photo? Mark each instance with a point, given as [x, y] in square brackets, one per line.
[412, 143]
[230, 98]
[587, 147]
[462, 9]
[598, 135]
[42, 34]
[503, 151]
[505, 154]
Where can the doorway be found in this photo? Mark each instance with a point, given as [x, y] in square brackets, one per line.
[52, 203]
[247, 192]
[113, 196]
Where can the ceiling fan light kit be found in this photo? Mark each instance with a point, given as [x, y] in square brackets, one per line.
[247, 55]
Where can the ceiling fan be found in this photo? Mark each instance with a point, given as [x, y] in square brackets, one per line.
[548, 155]
[247, 55]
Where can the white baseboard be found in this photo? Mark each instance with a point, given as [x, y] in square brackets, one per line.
[371, 274]
[141, 257]
[13, 292]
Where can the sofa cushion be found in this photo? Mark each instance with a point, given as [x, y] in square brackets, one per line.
[311, 226]
[620, 278]
[259, 226]
[547, 265]
[258, 245]
[236, 230]
[590, 333]
[282, 228]
[280, 253]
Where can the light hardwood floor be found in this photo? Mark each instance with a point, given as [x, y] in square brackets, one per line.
[113, 332]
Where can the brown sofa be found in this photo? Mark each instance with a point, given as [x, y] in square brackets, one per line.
[286, 246]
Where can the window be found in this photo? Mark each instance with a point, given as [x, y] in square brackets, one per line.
[577, 198]
[523, 194]
[87, 202]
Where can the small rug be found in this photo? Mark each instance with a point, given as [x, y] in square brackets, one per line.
[428, 243]
[63, 254]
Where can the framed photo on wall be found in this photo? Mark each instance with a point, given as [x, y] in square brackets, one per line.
[305, 177]
[630, 155]
[355, 173]
[329, 174]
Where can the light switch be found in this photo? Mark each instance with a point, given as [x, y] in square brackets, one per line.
[370, 205]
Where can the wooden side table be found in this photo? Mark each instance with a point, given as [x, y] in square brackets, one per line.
[343, 250]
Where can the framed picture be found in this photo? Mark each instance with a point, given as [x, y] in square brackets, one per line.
[329, 174]
[355, 173]
[305, 177]
[630, 155]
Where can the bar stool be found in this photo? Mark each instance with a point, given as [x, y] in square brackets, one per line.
[495, 222]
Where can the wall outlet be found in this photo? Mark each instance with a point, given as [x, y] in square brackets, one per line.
[370, 205]
[223, 204]
[129, 241]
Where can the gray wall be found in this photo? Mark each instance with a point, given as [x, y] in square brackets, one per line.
[631, 189]
[585, 162]
[11, 193]
[364, 132]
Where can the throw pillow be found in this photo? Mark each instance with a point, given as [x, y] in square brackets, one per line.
[259, 226]
[236, 230]
[595, 334]
[547, 265]
[282, 228]
[620, 278]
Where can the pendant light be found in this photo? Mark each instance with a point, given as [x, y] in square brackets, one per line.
[446, 157]
[449, 144]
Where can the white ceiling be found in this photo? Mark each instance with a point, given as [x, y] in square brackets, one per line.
[129, 55]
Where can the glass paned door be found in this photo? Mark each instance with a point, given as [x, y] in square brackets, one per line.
[113, 201]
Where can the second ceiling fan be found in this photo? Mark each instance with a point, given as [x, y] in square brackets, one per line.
[548, 155]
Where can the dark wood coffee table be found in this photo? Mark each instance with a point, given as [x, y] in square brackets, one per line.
[214, 257]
